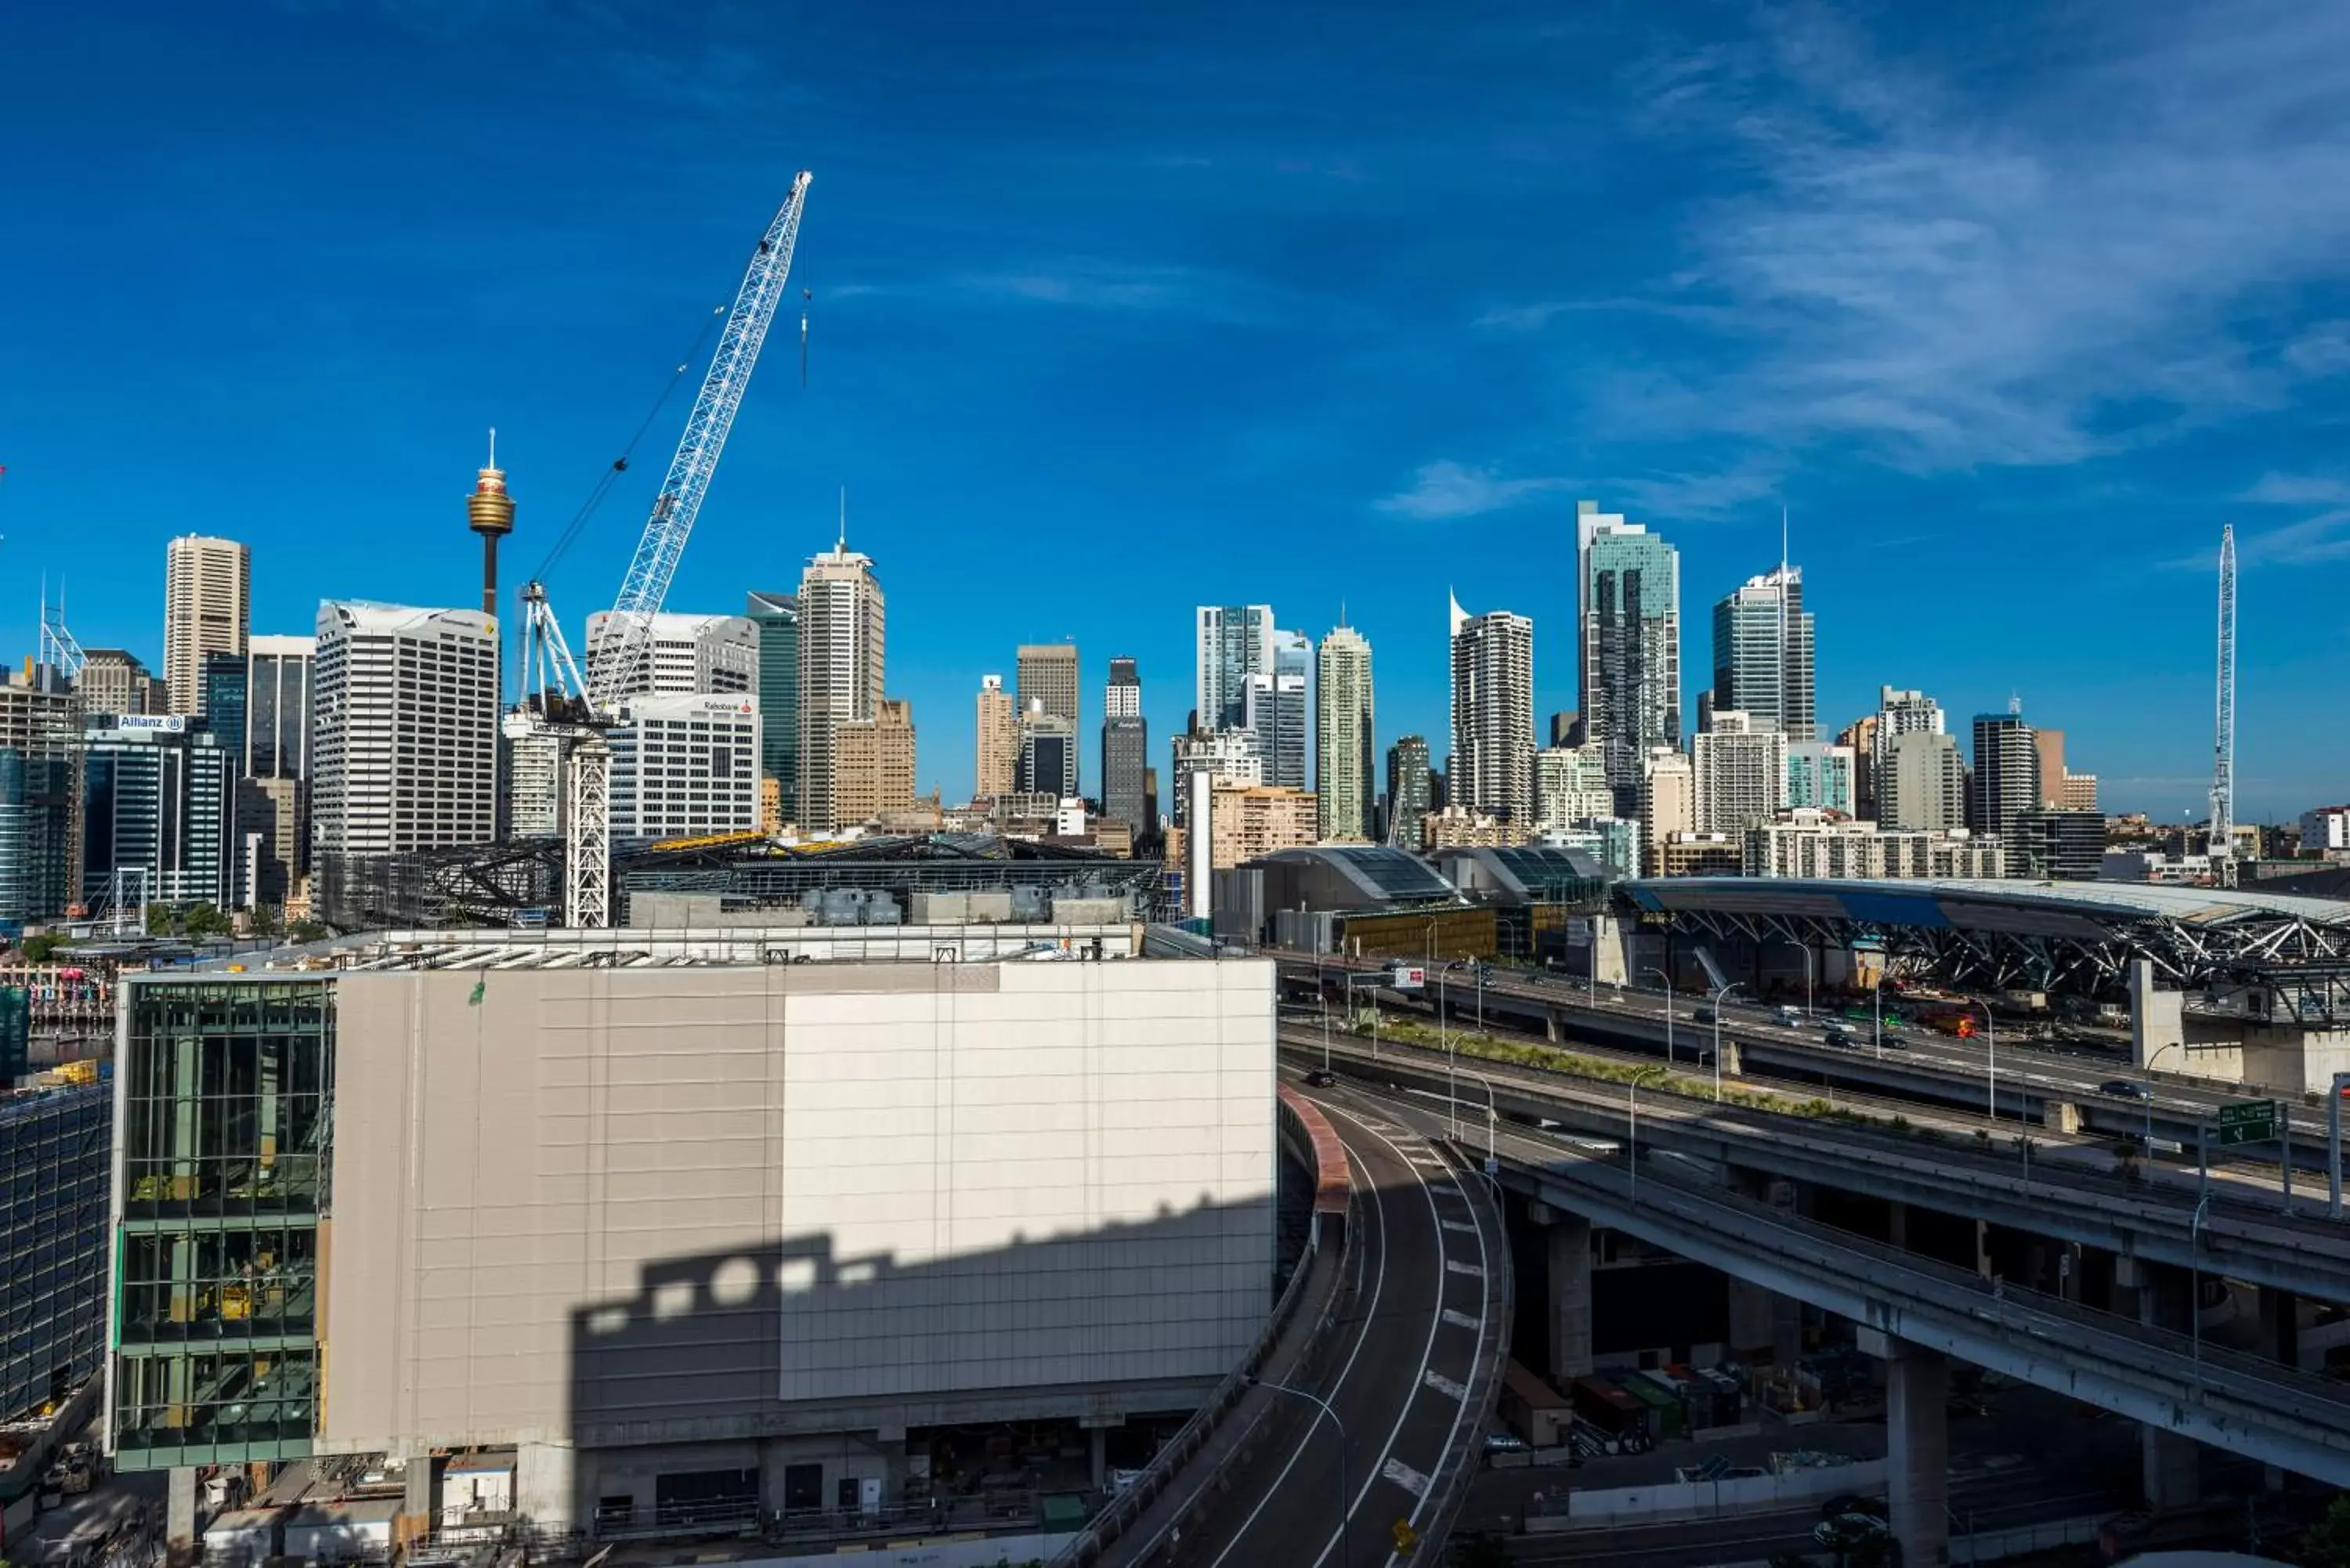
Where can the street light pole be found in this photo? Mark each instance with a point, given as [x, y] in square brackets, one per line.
[1324, 1407]
[1718, 997]
[2150, 1061]
[1662, 975]
[1492, 1118]
[1632, 1138]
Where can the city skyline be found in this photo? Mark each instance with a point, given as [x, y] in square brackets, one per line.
[1949, 458]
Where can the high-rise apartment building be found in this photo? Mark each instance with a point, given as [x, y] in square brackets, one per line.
[1861, 736]
[2006, 782]
[777, 619]
[1126, 749]
[404, 729]
[1741, 773]
[1900, 712]
[1630, 644]
[996, 758]
[1274, 711]
[1668, 803]
[1763, 657]
[843, 636]
[874, 772]
[1821, 776]
[538, 803]
[1492, 767]
[2055, 844]
[1226, 756]
[1571, 786]
[686, 655]
[683, 766]
[1233, 642]
[1046, 672]
[1921, 782]
[1346, 784]
[2061, 789]
[1410, 785]
[112, 680]
[207, 608]
[1246, 820]
[159, 803]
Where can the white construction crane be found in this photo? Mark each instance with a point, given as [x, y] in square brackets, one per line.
[2223, 742]
[627, 637]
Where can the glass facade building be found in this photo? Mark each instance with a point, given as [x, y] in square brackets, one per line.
[227, 682]
[53, 1189]
[224, 1110]
[34, 825]
[159, 799]
[778, 617]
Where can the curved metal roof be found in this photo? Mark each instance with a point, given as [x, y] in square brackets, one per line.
[1977, 901]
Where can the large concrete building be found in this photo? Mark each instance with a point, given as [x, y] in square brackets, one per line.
[1233, 642]
[404, 735]
[843, 643]
[873, 765]
[1667, 804]
[1741, 774]
[158, 812]
[1571, 785]
[1492, 766]
[1922, 781]
[2005, 782]
[113, 681]
[686, 655]
[1345, 774]
[1126, 750]
[1763, 653]
[1046, 672]
[773, 1223]
[1249, 820]
[1809, 842]
[996, 757]
[207, 610]
[685, 766]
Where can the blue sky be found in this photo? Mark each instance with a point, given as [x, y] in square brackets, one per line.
[1123, 309]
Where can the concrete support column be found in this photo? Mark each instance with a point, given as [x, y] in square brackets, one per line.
[179, 1509]
[2280, 1325]
[1097, 1442]
[1896, 1223]
[1753, 1323]
[2157, 1018]
[418, 1503]
[544, 1487]
[1918, 1450]
[1786, 1330]
[1568, 1238]
[1982, 1249]
[2170, 1463]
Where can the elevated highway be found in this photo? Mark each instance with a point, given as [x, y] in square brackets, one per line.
[2243, 1240]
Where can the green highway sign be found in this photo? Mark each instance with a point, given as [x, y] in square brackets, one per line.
[2248, 1121]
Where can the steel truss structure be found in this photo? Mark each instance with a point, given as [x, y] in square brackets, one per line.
[929, 863]
[2287, 958]
[477, 885]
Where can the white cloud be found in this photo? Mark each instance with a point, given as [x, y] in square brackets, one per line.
[2298, 490]
[1446, 488]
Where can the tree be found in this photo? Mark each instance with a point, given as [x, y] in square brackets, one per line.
[205, 920]
[2327, 1544]
[268, 920]
[158, 922]
[307, 931]
[39, 949]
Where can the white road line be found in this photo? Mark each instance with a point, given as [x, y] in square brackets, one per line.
[1378, 1285]
[1404, 1476]
[1459, 1319]
[1458, 1225]
[1462, 1414]
[1455, 1266]
[1444, 1385]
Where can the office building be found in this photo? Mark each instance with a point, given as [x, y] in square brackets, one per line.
[1861, 736]
[843, 638]
[1457, 827]
[1246, 820]
[1899, 714]
[1232, 643]
[54, 1173]
[1409, 784]
[1571, 785]
[1668, 803]
[113, 681]
[2324, 828]
[1821, 776]
[1628, 643]
[1048, 752]
[2006, 779]
[1492, 766]
[1344, 764]
[1566, 730]
[1274, 711]
[996, 758]
[1763, 654]
[223, 703]
[777, 617]
[874, 766]
[207, 610]
[274, 800]
[1047, 673]
[1126, 750]
[158, 810]
[1807, 843]
[36, 820]
[717, 1278]
[683, 767]
[539, 803]
[2055, 845]
[1696, 854]
[685, 655]
[2061, 789]
[1921, 782]
[404, 733]
[1740, 770]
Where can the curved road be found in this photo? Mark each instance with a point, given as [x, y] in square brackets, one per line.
[1412, 1333]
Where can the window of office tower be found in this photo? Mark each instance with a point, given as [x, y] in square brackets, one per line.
[223, 1141]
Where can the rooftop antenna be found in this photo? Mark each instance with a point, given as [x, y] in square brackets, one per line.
[842, 548]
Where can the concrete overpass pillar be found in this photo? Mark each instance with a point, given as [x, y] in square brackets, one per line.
[417, 1503]
[2170, 1462]
[1896, 1223]
[2157, 1018]
[2280, 1326]
[1918, 1450]
[544, 1484]
[180, 1511]
[1568, 1239]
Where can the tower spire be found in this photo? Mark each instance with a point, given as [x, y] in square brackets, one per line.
[842, 548]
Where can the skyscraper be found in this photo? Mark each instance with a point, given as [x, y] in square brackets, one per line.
[1740, 771]
[777, 619]
[1763, 654]
[1274, 710]
[1630, 644]
[874, 765]
[404, 729]
[1048, 752]
[687, 655]
[112, 680]
[158, 801]
[1126, 749]
[1571, 786]
[1047, 673]
[1921, 782]
[2006, 781]
[1821, 775]
[996, 758]
[1492, 766]
[685, 766]
[1234, 642]
[1668, 803]
[207, 608]
[1899, 714]
[1344, 722]
[1408, 786]
[842, 642]
[222, 703]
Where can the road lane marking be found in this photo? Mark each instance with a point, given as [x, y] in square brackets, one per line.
[1459, 1225]
[1404, 1476]
[1444, 1385]
[1459, 1319]
[1455, 1266]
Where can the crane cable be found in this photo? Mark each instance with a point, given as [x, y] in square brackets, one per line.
[611, 476]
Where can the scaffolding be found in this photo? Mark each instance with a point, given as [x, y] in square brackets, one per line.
[54, 1173]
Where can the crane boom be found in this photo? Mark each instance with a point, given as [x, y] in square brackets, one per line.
[627, 631]
[2223, 741]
